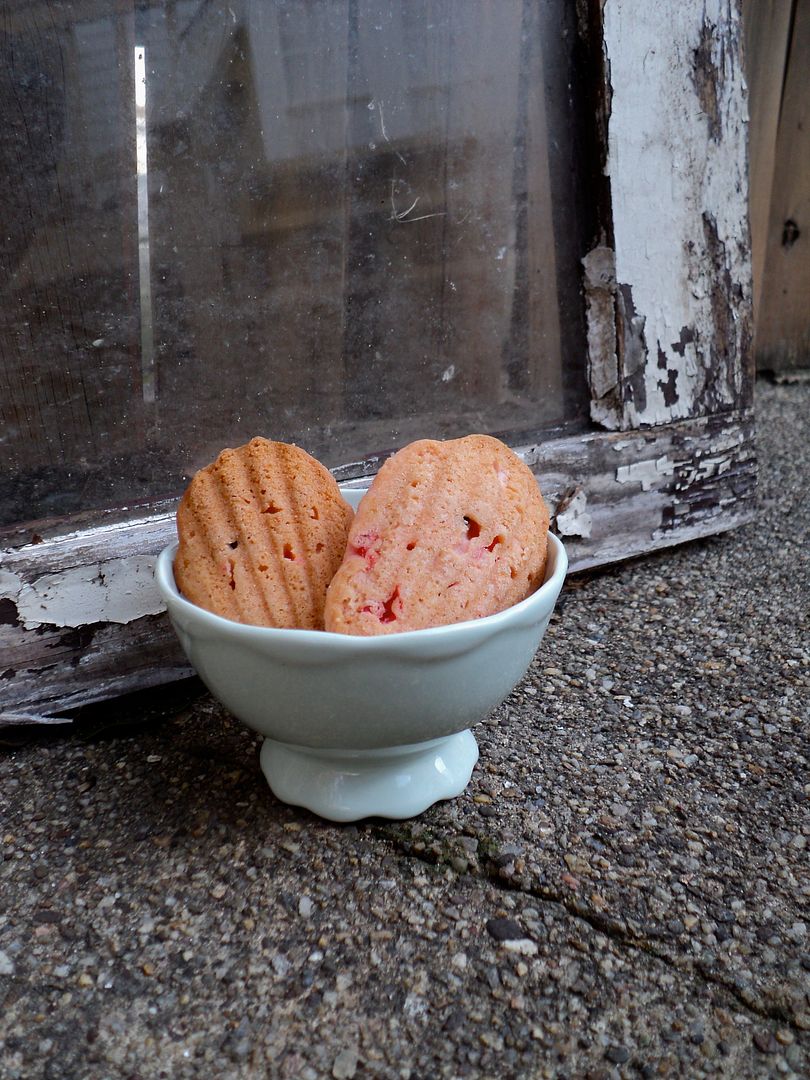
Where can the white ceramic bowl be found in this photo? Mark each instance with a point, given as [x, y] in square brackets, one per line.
[362, 726]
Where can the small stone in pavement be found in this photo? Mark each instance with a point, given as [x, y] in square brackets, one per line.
[345, 1064]
[505, 929]
[618, 1054]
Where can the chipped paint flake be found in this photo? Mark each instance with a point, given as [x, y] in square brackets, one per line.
[10, 585]
[573, 518]
[118, 591]
[646, 473]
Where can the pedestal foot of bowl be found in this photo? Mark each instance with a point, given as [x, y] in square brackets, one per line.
[392, 782]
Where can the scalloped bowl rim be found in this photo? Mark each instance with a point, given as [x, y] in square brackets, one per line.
[534, 606]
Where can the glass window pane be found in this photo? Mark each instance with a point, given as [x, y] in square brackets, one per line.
[347, 224]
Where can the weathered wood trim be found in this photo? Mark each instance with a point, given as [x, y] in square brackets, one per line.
[623, 494]
[81, 620]
[669, 296]
[783, 323]
[768, 25]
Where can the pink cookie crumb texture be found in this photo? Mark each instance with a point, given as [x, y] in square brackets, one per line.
[447, 531]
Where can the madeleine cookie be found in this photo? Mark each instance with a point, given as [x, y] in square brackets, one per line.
[262, 531]
[447, 531]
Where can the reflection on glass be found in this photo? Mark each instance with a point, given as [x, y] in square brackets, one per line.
[144, 270]
[361, 224]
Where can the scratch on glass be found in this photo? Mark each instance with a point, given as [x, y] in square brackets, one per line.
[402, 215]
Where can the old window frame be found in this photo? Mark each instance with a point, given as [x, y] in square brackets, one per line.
[668, 299]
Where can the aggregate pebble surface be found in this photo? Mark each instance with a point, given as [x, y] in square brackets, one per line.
[623, 890]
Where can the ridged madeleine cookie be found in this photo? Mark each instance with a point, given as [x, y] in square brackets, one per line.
[447, 531]
[262, 531]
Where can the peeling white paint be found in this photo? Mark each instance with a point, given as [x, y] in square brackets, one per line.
[118, 591]
[677, 167]
[646, 473]
[724, 443]
[574, 519]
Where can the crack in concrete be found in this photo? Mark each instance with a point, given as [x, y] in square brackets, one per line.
[618, 933]
[615, 929]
